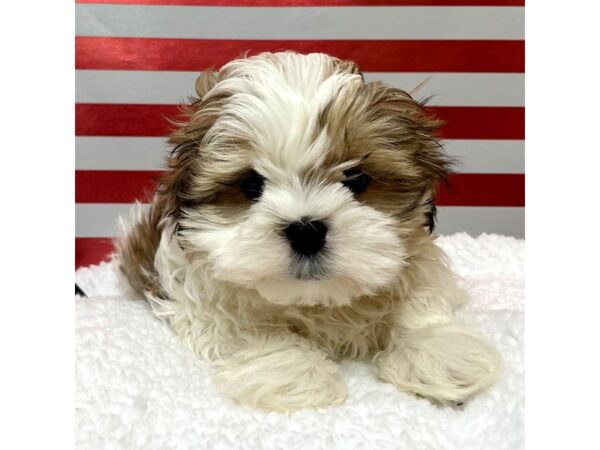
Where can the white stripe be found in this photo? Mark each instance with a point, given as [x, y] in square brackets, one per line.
[120, 153]
[300, 22]
[133, 153]
[487, 156]
[162, 87]
[476, 220]
[100, 220]
[459, 89]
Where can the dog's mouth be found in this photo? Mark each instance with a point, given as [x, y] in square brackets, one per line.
[310, 268]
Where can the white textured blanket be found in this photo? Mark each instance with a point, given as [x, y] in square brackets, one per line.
[139, 387]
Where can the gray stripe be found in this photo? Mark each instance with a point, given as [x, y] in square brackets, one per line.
[459, 89]
[300, 22]
[133, 153]
[447, 89]
[120, 153]
[476, 220]
[487, 156]
[100, 220]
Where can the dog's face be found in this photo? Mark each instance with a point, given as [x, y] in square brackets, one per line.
[295, 178]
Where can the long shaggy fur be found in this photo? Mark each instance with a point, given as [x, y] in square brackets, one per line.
[215, 263]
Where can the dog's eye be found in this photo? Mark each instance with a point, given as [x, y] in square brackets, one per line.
[356, 180]
[252, 185]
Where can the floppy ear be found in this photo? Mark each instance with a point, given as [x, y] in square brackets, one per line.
[138, 248]
[428, 152]
[191, 126]
[437, 165]
[206, 81]
[412, 131]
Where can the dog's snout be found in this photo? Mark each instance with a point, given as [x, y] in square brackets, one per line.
[306, 237]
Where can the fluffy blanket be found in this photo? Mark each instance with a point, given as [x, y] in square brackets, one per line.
[139, 387]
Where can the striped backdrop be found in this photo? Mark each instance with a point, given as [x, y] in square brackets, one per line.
[137, 59]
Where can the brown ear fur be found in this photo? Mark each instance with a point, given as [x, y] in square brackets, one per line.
[429, 155]
[206, 81]
[394, 137]
[138, 249]
[413, 118]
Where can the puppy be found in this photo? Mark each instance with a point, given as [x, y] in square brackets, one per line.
[292, 228]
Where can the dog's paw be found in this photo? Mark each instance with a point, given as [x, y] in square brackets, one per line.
[283, 381]
[446, 363]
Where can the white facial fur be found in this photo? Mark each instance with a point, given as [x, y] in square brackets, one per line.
[276, 108]
[362, 254]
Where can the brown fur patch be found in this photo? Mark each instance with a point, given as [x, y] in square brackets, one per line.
[138, 249]
[390, 135]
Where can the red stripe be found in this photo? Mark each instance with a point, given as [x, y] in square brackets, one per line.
[90, 251]
[483, 189]
[312, 2]
[466, 189]
[481, 122]
[99, 119]
[110, 53]
[108, 186]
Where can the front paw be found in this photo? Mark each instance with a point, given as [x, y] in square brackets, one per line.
[446, 363]
[284, 380]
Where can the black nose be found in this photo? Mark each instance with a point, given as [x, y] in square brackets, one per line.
[306, 237]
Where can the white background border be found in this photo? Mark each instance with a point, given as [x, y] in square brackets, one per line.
[37, 225]
[562, 251]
